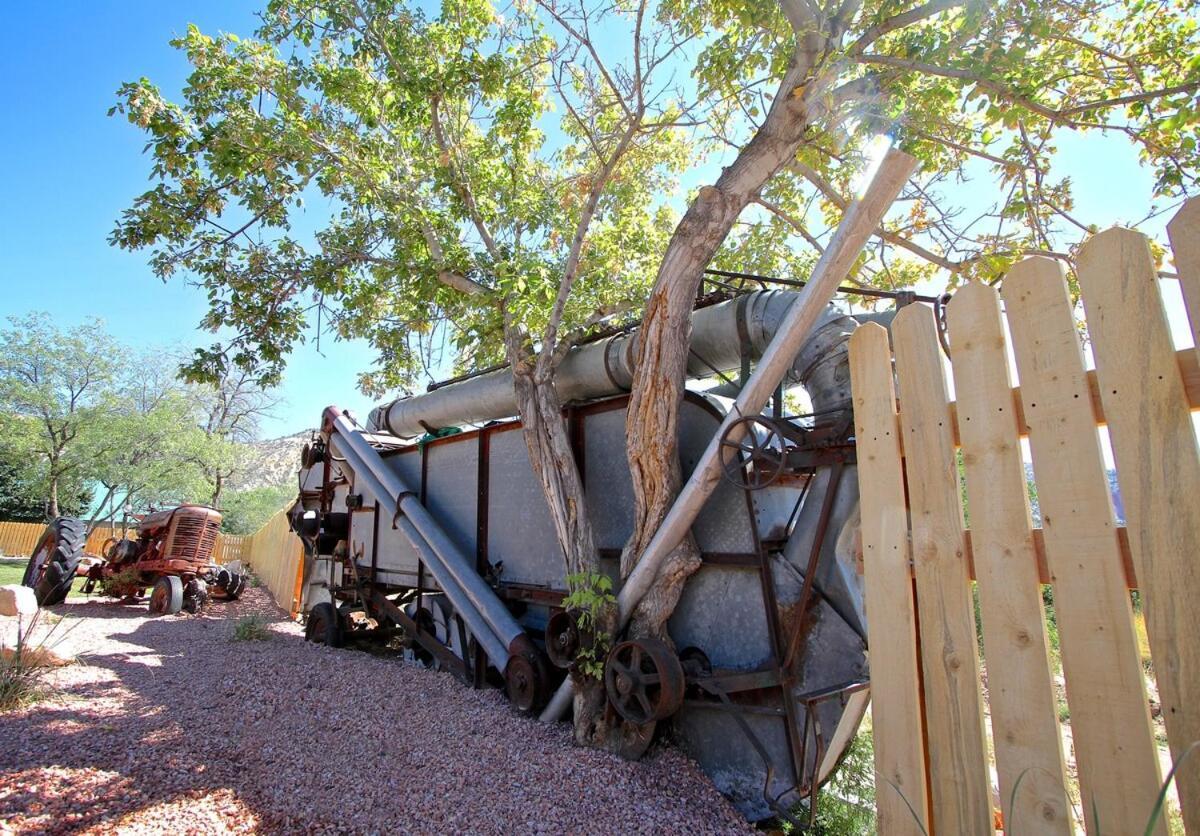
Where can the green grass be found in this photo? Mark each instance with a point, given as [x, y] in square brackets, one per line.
[13, 572]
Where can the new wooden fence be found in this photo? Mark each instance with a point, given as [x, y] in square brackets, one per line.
[273, 553]
[931, 747]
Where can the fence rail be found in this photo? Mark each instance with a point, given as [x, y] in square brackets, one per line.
[273, 553]
[931, 747]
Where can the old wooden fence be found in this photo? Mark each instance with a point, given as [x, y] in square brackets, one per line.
[931, 744]
[273, 553]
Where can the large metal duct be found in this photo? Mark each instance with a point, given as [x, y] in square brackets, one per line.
[605, 368]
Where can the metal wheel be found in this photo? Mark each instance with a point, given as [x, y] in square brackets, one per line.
[323, 625]
[643, 680]
[562, 639]
[527, 680]
[759, 455]
[167, 597]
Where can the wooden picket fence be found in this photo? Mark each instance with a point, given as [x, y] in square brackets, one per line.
[273, 553]
[931, 746]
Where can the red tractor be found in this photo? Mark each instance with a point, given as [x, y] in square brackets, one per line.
[171, 556]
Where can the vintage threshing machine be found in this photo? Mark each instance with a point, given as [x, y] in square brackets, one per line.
[172, 555]
[444, 536]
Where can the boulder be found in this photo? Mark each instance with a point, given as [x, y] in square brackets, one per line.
[17, 600]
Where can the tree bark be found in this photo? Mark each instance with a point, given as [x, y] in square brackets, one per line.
[652, 423]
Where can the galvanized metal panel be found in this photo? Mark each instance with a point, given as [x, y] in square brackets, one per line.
[451, 492]
[519, 529]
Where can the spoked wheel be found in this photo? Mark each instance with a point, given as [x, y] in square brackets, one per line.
[167, 597]
[323, 625]
[563, 639]
[759, 455]
[51, 568]
[438, 619]
[643, 680]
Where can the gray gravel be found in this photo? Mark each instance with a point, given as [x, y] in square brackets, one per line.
[172, 726]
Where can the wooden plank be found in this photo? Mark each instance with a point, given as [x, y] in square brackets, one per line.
[891, 626]
[1025, 732]
[1184, 232]
[1189, 370]
[959, 781]
[1110, 716]
[1158, 468]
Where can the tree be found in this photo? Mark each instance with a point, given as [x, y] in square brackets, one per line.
[53, 385]
[23, 495]
[232, 408]
[247, 510]
[464, 213]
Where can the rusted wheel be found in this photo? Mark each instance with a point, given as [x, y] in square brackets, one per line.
[323, 625]
[167, 597]
[643, 680]
[562, 639]
[51, 568]
[759, 455]
[527, 680]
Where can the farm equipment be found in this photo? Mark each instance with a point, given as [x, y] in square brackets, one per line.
[423, 525]
[171, 555]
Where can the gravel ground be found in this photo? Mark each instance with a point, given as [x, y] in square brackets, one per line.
[170, 725]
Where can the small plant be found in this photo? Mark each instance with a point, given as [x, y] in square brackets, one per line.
[592, 602]
[251, 628]
[23, 666]
[253, 580]
[846, 803]
[124, 584]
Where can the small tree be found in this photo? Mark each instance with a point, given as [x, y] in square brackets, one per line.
[53, 386]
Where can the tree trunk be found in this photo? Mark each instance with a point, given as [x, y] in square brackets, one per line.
[652, 423]
[52, 505]
[218, 484]
[553, 461]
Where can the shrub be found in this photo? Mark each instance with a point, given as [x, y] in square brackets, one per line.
[251, 628]
[23, 667]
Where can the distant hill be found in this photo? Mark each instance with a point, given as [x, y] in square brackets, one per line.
[270, 463]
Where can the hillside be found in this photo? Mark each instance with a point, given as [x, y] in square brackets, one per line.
[270, 463]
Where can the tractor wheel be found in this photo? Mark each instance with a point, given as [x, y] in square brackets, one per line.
[51, 568]
[167, 597]
[323, 625]
[237, 583]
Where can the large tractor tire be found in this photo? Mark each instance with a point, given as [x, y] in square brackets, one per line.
[167, 597]
[51, 568]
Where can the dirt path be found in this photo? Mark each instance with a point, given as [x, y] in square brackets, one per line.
[285, 736]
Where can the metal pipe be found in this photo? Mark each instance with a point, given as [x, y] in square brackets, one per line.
[862, 218]
[465, 588]
[603, 368]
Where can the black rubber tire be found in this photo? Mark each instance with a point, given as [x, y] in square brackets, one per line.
[51, 568]
[237, 583]
[167, 595]
[323, 625]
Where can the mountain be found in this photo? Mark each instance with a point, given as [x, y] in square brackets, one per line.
[270, 463]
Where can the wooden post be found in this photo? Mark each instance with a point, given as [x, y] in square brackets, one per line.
[961, 787]
[1184, 232]
[1025, 732]
[1158, 468]
[1110, 716]
[891, 624]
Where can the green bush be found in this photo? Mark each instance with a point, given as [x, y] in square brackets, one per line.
[251, 628]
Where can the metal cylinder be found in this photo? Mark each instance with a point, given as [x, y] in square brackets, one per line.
[720, 335]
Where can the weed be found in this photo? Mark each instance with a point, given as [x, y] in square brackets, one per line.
[251, 628]
[23, 667]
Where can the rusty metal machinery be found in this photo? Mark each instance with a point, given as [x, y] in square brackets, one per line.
[171, 555]
[422, 526]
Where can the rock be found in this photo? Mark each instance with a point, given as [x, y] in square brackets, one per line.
[37, 657]
[17, 600]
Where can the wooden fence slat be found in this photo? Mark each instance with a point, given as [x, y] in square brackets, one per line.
[960, 785]
[1025, 732]
[891, 625]
[1158, 468]
[1110, 716]
[1184, 233]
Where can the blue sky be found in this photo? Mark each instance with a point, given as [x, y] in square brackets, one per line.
[69, 170]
